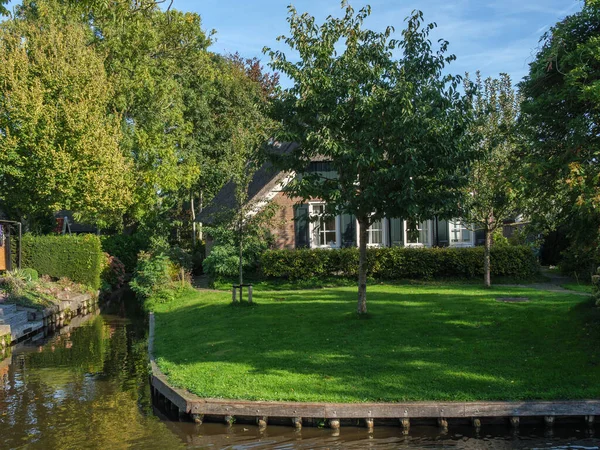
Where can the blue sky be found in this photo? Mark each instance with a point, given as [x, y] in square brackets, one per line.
[492, 36]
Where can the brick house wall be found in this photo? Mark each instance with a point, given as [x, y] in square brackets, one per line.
[283, 226]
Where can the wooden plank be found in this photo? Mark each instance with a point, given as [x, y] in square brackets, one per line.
[533, 408]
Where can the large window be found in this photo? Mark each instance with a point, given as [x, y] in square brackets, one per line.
[324, 228]
[417, 233]
[460, 235]
[375, 234]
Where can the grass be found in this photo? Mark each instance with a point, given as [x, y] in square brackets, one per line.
[419, 342]
[578, 287]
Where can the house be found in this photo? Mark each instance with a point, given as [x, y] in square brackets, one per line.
[292, 229]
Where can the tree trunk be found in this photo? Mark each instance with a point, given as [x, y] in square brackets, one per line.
[362, 266]
[193, 210]
[487, 281]
[241, 267]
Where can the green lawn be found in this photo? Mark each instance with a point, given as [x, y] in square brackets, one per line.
[578, 287]
[420, 342]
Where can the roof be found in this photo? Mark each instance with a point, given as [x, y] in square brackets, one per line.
[75, 226]
[263, 182]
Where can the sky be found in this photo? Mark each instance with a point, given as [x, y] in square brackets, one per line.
[492, 36]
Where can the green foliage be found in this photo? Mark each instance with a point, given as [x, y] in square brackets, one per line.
[126, 247]
[399, 263]
[152, 274]
[60, 139]
[560, 117]
[79, 258]
[161, 273]
[28, 274]
[384, 112]
[114, 272]
[223, 261]
[579, 261]
[596, 286]
[224, 257]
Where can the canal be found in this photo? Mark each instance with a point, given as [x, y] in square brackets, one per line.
[87, 388]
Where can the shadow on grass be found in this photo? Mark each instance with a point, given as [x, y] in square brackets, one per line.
[418, 344]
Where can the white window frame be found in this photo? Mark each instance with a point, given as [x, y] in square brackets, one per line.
[419, 244]
[384, 234]
[314, 243]
[458, 226]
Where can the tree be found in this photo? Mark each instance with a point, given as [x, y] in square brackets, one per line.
[59, 140]
[393, 129]
[491, 195]
[560, 115]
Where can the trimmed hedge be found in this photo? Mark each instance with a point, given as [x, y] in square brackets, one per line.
[126, 248]
[399, 263]
[79, 258]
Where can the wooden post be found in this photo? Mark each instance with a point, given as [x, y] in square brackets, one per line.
[443, 423]
[514, 422]
[198, 418]
[405, 422]
[262, 422]
[549, 421]
[369, 423]
[334, 424]
[476, 422]
[234, 295]
[589, 420]
[250, 293]
[229, 420]
[297, 421]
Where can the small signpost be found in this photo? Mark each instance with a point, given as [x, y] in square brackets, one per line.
[241, 289]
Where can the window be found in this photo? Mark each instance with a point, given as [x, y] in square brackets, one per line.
[396, 235]
[375, 233]
[417, 234]
[324, 228]
[460, 235]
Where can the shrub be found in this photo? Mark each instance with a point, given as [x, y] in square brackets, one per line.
[152, 274]
[126, 248]
[398, 263]
[79, 258]
[29, 274]
[114, 272]
[223, 261]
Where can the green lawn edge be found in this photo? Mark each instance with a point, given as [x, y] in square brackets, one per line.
[426, 342]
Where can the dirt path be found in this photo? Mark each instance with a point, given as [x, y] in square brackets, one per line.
[552, 285]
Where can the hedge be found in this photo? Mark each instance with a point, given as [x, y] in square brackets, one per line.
[126, 248]
[79, 258]
[399, 263]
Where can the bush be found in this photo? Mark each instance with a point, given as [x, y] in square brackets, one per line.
[398, 263]
[126, 248]
[114, 272]
[79, 258]
[152, 274]
[223, 261]
[29, 274]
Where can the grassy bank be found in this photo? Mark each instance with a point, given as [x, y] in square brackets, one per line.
[420, 342]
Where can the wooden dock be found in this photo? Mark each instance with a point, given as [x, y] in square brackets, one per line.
[192, 407]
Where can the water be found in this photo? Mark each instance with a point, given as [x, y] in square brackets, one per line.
[87, 388]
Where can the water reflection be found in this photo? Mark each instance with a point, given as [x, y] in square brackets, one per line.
[87, 388]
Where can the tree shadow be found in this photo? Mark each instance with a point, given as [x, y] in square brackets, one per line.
[433, 344]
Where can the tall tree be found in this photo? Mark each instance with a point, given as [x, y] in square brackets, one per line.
[393, 129]
[492, 194]
[59, 140]
[561, 118]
